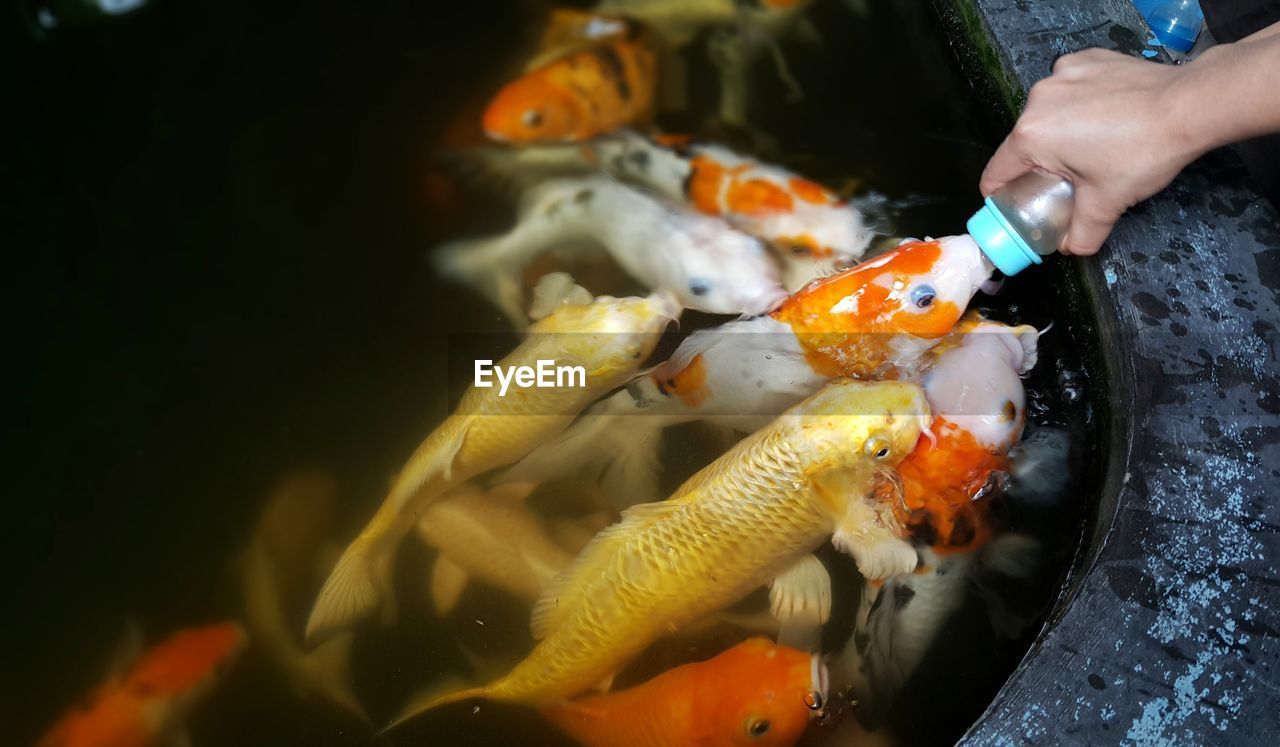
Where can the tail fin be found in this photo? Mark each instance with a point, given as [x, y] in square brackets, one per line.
[329, 669]
[352, 592]
[614, 445]
[487, 266]
[423, 702]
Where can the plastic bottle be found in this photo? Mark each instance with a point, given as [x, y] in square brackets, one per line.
[1177, 23]
[1024, 220]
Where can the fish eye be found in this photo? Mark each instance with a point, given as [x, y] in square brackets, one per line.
[813, 700]
[532, 118]
[800, 250]
[699, 287]
[922, 296]
[758, 727]
[1009, 412]
[876, 447]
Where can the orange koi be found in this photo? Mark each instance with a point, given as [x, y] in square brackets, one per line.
[595, 89]
[147, 704]
[756, 693]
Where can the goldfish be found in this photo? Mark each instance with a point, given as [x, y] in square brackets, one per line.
[877, 319]
[735, 525]
[756, 693]
[590, 90]
[493, 537]
[813, 230]
[289, 555]
[608, 338]
[707, 264]
[148, 703]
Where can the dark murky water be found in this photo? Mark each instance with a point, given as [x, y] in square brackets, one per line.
[216, 217]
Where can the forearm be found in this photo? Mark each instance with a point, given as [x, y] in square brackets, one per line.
[1231, 92]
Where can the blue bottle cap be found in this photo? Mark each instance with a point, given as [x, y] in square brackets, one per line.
[997, 239]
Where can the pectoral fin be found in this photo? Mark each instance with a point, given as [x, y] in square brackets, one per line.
[448, 581]
[800, 598]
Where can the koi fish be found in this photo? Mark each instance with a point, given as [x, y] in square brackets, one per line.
[978, 400]
[708, 265]
[741, 521]
[756, 693]
[976, 392]
[148, 703]
[591, 90]
[609, 338]
[813, 230]
[875, 320]
[493, 537]
[290, 553]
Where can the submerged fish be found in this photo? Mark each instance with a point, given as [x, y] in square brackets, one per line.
[707, 264]
[875, 320]
[493, 537]
[290, 554]
[591, 90]
[756, 693]
[740, 522]
[148, 703]
[608, 338]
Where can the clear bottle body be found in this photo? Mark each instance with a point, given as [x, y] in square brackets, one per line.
[1024, 220]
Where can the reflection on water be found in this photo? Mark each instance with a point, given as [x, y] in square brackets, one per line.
[221, 214]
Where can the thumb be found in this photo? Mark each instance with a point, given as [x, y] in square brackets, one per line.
[1091, 223]
[1008, 163]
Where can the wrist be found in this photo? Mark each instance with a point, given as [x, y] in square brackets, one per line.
[1195, 124]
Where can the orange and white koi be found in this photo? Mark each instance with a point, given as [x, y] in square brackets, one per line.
[815, 230]
[756, 693]
[812, 230]
[591, 90]
[874, 320]
[978, 401]
[148, 703]
[705, 262]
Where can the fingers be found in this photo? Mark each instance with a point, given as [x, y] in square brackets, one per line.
[1008, 163]
[1091, 223]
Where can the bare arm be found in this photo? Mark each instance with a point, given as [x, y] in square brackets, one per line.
[1121, 128]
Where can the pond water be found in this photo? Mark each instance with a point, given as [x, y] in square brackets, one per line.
[218, 217]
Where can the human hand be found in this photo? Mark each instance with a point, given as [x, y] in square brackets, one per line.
[1111, 125]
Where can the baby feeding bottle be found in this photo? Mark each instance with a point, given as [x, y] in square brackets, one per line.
[1023, 221]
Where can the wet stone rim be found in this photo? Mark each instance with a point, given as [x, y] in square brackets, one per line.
[1167, 631]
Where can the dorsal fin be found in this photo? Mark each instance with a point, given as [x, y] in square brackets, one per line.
[566, 590]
